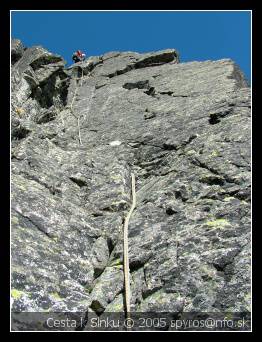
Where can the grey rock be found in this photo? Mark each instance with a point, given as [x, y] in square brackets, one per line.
[100, 256]
[17, 50]
[106, 289]
[162, 302]
[183, 129]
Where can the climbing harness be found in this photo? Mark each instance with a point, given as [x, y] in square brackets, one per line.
[125, 248]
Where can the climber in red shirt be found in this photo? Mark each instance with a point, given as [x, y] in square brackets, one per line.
[78, 56]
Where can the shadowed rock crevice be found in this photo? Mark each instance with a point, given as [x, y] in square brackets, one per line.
[52, 91]
[136, 61]
[216, 117]
[137, 85]
[20, 132]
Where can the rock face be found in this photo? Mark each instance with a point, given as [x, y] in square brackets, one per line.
[78, 133]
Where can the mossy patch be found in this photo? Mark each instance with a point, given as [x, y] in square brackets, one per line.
[14, 220]
[190, 152]
[16, 294]
[117, 307]
[55, 239]
[247, 299]
[218, 223]
[116, 263]
[207, 272]
[214, 154]
[55, 295]
[229, 198]
[117, 177]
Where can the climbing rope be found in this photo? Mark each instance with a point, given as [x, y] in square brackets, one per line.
[71, 107]
[126, 258]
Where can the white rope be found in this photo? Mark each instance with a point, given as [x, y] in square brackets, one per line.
[126, 257]
[71, 108]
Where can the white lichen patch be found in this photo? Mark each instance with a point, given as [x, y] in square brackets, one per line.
[115, 143]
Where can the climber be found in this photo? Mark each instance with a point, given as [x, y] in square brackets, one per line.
[78, 56]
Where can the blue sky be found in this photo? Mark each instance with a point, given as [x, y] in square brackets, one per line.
[198, 36]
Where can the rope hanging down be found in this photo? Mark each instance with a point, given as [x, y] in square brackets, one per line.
[71, 107]
[126, 258]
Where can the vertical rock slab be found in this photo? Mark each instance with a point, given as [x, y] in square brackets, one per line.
[183, 129]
